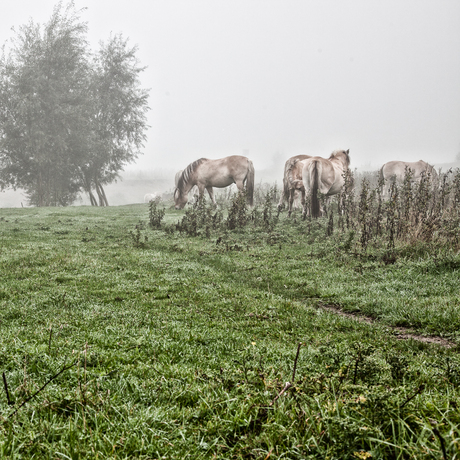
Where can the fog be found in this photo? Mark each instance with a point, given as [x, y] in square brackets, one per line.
[270, 79]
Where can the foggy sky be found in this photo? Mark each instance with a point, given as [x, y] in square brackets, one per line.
[275, 78]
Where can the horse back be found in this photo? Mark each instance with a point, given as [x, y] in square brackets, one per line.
[326, 173]
[398, 169]
[223, 172]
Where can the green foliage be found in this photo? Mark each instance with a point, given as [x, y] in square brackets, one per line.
[269, 218]
[200, 219]
[43, 92]
[183, 349]
[408, 213]
[156, 214]
[71, 119]
[238, 212]
[119, 107]
[139, 240]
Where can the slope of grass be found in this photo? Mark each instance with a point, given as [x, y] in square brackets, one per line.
[179, 347]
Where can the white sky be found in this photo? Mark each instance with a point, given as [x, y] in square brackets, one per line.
[275, 78]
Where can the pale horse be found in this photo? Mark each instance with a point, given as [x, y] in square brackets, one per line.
[206, 174]
[288, 193]
[397, 170]
[295, 184]
[325, 176]
[193, 191]
[155, 196]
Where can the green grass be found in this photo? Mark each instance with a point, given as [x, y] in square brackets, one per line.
[181, 345]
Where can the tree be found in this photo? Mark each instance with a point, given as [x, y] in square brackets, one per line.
[119, 118]
[42, 94]
[69, 120]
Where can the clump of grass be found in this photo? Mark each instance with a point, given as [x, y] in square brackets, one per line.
[270, 216]
[156, 214]
[346, 201]
[200, 219]
[427, 210]
[238, 215]
[139, 239]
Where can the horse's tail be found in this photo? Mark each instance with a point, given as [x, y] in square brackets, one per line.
[250, 183]
[315, 171]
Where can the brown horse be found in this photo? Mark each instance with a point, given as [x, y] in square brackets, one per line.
[206, 174]
[324, 176]
[289, 189]
[397, 170]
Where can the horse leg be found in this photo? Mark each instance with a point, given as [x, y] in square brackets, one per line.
[281, 202]
[240, 186]
[200, 193]
[291, 201]
[305, 208]
[302, 198]
[325, 207]
[304, 211]
[211, 195]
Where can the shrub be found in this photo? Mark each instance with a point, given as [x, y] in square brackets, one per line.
[156, 214]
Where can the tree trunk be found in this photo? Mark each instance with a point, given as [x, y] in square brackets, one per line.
[40, 190]
[92, 198]
[101, 194]
[104, 195]
[86, 178]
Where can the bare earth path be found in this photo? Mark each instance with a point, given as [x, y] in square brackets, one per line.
[401, 333]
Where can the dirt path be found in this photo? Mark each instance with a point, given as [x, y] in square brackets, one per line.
[401, 333]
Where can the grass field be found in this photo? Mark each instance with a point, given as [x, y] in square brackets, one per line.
[125, 342]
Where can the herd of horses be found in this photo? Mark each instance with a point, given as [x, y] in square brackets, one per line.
[303, 175]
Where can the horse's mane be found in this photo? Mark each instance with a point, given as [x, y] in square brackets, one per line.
[187, 172]
[336, 153]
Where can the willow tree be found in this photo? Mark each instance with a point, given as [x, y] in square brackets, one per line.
[69, 119]
[119, 115]
[43, 108]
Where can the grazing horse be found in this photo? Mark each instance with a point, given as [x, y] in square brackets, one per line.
[295, 183]
[397, 170]
[193, 190]
[206, 174]
[148, 197]
[286, 194]
[325, 176]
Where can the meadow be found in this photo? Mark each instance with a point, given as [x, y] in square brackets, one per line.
[144, 332]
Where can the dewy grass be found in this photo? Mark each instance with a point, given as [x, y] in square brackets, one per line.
[180, 347]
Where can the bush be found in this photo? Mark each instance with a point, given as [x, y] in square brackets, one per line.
[156, 214]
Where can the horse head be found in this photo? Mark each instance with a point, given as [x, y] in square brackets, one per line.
[343, 155]
[180, 199]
